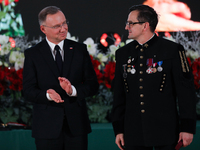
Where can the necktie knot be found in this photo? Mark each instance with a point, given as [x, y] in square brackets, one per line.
[57, 48]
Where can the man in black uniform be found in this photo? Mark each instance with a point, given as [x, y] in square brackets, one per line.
[154, 95]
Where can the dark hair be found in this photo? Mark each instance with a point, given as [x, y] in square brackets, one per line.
[146, 14]
[46, 11]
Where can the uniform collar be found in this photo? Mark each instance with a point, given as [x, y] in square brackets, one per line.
[148, 43]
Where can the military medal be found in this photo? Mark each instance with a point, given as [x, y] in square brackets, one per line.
[159, 64]
[149, 70]
[149, 64]
[133, 70]
[154, 67]
[129, 70]
[129, 61]
[124, 68]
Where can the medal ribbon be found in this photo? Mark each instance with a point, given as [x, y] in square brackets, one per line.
[160, 63]
[150, 62]
[154, 65]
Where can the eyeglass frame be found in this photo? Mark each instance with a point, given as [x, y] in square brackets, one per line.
[132, 23]
[58, 26]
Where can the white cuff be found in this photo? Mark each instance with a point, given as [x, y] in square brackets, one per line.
[48, 97]
[74, 92]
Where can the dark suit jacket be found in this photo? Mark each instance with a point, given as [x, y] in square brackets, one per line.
[145, 106]
[41, 73]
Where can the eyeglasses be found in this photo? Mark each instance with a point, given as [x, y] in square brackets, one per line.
[130, 24]
[64, 24]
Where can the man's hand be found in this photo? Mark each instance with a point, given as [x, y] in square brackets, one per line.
[55, 96]
[66, 85]
[119, 140]
[186, 137]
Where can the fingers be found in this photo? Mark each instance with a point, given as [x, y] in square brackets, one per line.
[186, 137]
[55, 96]
[62, 79]
[120, 141]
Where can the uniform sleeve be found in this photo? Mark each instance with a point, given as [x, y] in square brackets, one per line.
[184, 84]
[118, 110]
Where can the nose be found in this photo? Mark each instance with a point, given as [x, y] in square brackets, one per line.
[126, 27]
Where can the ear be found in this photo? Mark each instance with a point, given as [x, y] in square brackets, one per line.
[42, 28]
[146, 26]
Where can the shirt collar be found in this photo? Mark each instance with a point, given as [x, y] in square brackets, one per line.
[52, 45]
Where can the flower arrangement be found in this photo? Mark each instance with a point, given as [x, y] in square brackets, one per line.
[13, 108]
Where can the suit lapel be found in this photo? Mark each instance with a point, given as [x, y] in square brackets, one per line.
[68, 56]
[47, 55]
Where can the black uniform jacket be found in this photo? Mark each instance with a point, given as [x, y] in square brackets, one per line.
[41, 73]
[151, 80]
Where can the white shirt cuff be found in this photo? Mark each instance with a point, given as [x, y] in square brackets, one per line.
[74, 92]
[48, 97]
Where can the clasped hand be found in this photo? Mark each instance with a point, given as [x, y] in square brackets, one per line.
[66, 85]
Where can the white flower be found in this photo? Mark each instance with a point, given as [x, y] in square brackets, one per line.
[5, 49]
[113, 49]
[91, 46]
[192, 54]
[102, 57]
[129, 40]
[4, 39]
[19, 64]
[73, 38]
[17, 59]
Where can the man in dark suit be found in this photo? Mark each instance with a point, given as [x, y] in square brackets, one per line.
[154, 95]
[58, 75]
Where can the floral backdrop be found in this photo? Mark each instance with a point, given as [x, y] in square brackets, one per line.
[14, 110]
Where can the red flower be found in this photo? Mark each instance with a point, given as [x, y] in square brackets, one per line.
[16, 1]
[109, 73]
[6, 2]
[95, 64]
[196, 72]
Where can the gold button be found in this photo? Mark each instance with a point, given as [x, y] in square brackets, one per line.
[163, 82]
[141, 103]
[140, 79]
[141, 57]
[141, 50]
[125, 83]
[127, 90]
[124, 79]
[143, 111]
[141, 95]
[127, 87]
[163, 78]
[164, 74]
[141, 87]
[160, 89]
[161, 85]
[141, 65]
[141, 72]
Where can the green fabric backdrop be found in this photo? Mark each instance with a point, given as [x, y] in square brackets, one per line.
[101, 138]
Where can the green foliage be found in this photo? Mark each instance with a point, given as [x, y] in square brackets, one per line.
[10, 22]
[100, 105]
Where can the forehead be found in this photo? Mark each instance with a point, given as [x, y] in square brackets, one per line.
[54, 19]
[133, 15]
